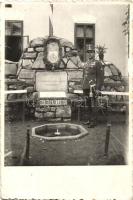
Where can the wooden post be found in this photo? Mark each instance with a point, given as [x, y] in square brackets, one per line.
[78, 113]
[107, 139]
[27, 143]
[23, 111]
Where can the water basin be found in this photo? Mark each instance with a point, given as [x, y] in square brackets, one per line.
[59, 131]
[59, 144]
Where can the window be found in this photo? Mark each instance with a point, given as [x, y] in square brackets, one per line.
[14, 40]
[8, 5]
[14, 28]
[84, 36]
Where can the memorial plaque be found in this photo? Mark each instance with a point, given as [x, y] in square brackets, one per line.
[51, 81]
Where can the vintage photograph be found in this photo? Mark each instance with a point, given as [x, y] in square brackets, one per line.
[66, 84]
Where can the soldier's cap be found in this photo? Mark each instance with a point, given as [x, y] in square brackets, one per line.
[74, 49]
[90, 48]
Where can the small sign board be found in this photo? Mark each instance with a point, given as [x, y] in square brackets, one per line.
[53, 102]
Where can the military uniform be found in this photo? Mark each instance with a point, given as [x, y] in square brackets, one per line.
[99, 68]
[93, 74]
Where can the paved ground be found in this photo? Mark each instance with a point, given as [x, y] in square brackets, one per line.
[15, 137]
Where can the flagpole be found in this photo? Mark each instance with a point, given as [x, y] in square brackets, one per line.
[51, 21]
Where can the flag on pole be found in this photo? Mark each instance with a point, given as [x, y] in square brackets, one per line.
[51, 21]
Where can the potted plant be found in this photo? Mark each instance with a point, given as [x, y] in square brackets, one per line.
[100, 50]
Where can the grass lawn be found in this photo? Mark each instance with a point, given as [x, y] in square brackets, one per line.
[15, 137]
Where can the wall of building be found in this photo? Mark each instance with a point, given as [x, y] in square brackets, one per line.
[35, 17]
[108, 21]
[109, 30]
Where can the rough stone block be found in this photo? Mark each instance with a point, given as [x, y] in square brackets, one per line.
[20, 63]
[75, 85]
[39, 115]
[70, 90]
[42, 109]
[39, 49]
[62, 65]
[77, 63]
[72, 96]
[29, 55]
[49, 115]
[39, 63]
[66, 119]
[54, 119]
[37, 42]
[19, 66]
[27, 63]
[26, 74]
[71, 83]
[52, 109]
[10, 69]
[30, 49]
[30, 81]
[35, 95]
[71, 65]
[75, 74]
[63, 111]
[27, 82]
[30, 89]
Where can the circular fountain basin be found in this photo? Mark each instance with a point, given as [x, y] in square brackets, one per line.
[59, 144]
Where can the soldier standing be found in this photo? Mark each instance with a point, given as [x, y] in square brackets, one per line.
[93, 79]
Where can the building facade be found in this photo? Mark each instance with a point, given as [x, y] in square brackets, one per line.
[82, 24]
